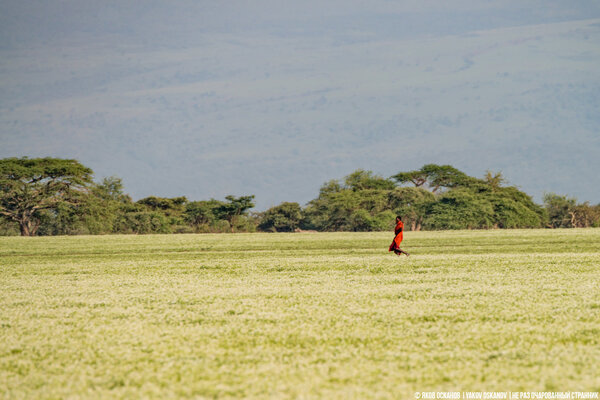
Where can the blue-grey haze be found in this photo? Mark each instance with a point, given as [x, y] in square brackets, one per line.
[274, 98]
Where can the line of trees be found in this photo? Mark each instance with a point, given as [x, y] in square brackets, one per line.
[50, 196]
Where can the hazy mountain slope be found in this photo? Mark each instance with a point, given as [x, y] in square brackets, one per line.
[274, 102]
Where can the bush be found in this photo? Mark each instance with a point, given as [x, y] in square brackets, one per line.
[142, 222]
[285, 217]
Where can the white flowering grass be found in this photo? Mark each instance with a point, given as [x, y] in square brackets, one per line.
[299, 315]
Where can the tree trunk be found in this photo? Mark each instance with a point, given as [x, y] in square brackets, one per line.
[25, 228]
[573, 221]
[28, 226]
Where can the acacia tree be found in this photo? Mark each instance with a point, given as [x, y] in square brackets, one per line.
[202, 212]
[234, 208]
[412, 204]
[495, 180]
[29, 186]
[435, 177]
[361, 180]
[285, 217]
[565, 212]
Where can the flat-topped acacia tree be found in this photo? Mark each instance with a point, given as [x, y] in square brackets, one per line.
[30, 185]
[435, 177]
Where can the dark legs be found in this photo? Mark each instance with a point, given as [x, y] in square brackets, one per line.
[399, 251]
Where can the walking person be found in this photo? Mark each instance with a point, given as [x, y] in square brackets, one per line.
[395, 246]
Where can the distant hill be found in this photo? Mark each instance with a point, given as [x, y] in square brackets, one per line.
[188, 99]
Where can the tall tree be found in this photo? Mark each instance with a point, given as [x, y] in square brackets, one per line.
[201, 213]
[495, 180]
[29, 186]
[412, 204]
[435, 177]
[234, 208]
[361, 180]
[565, 212]
[360, 204]
[559, 209]
[285, 217]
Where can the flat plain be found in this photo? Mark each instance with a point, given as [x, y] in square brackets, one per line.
[309, 315]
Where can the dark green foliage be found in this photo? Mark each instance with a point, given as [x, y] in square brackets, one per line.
[105, 206]
[435, 177]
[202, 213]
[363, 221]
[585, 216]
[143, 222]
[360, 204]
[234, 206]
[515, 209]
[29, 188]
[460, 209]
[49, 196]
[220, 216]
[559, 208]
[169, 206]
[442, 198]
[363, 180]
[65, 219]
[331, 211]
[96, 211]
[111, 188]
[464, 202]
[564, 212]
[234, 211]
[285, 217]
[494, 180]
[8, 227]
[412, 204]
[178, 215]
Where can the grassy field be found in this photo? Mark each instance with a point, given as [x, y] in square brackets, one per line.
[299, 315]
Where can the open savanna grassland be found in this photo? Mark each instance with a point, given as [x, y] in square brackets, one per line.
[325, 315]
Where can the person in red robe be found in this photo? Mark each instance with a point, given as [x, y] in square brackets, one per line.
[395, 246]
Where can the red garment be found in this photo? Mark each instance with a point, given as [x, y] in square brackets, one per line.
[398, 239]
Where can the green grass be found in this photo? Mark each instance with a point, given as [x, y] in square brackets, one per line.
[299, 315]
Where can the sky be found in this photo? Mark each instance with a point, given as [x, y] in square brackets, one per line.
[274, 98]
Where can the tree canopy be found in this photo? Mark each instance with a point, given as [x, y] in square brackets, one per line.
[441, 197]
[49, 196]
[30, 186]
[435, 177]
[285, 217]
